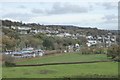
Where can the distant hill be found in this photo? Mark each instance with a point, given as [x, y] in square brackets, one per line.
[63, 28]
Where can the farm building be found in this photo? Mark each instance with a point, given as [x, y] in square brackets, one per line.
[27, 53]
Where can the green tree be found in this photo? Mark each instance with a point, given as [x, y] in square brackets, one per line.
[8, 43]
[11, 33]
[30, 41]
[114, 52]
[48, 43]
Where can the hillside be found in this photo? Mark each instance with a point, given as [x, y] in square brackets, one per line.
[62, 28]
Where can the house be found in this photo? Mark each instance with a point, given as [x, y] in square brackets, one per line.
[24, 28]
[64, 35]
[39, 52]
[8, 52]
[67, 35]
[70, 48]
[28, 53]
[101, 40]
[60, 35]
[91, 41]
[76, 47]
[13, 27]
[34, 31]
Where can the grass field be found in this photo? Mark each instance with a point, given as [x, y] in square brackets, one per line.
[70, 57]
[103, 69]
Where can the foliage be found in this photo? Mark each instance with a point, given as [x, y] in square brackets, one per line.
[86, 50]
[114, 52]
[8, 43]
[41, 36]
[11, 33]
[48, 43]
[30, 41]
[41, 40]
[8, 64]
[92, 50]
[8, 60]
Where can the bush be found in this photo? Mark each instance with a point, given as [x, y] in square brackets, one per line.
[114, 52]
[86, 50]
[8, 60]
[8, 64]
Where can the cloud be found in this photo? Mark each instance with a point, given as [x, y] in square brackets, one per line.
[109, 5]
[17, 16]
[37, 11]
[68, 19]
[22, 6]
[62, 8]
[110, 18]
[67, 8]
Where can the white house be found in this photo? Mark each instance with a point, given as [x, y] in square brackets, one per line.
[27, 53]
[91, 41]
[67, 35]
[13, 27]
[34, 31]
[24, 28]
[60, 35]
[64, 35]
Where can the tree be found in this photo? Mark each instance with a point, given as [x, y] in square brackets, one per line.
[114, 52]
[30, 41]
[48, 43]
[8, 43]
[11, 33]
[35, 42]
[40, 36]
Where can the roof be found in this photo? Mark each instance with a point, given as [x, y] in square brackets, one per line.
[16, 52]
[22, 52]
[30, 48]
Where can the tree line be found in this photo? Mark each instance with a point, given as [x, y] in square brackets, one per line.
[11, 40]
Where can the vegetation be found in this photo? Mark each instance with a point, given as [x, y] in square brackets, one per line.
[16, 41]
[8, 61]
[11, 40]
[114, 52]
[93, 50]
[89, 70]
[68, 57]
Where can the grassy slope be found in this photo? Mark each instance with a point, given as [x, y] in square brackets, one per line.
[64, 58]
[104, 69]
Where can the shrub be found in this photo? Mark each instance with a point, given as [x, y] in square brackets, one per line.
[86, 50]
[8, 64]
[114, 52]
[8, 60]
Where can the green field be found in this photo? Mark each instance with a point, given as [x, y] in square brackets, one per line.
[101, 69]
[69, 57]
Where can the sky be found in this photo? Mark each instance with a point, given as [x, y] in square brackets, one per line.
[101, 15]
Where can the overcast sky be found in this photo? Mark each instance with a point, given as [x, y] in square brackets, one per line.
[103, 15]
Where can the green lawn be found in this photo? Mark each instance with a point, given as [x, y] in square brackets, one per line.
[68, 57]
[102, 69]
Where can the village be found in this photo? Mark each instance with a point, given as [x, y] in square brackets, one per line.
[100, 41]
